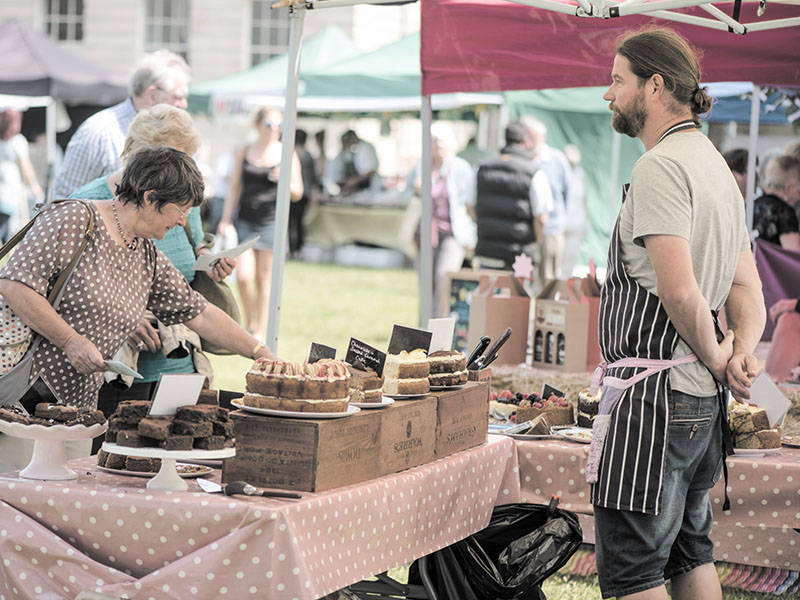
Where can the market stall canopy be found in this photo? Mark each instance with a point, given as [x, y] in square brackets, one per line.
[266, 81]
[35, 65]
[492, 45]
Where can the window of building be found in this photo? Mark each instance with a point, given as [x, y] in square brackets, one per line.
[64, 20]
[270, 31]
[167, 26]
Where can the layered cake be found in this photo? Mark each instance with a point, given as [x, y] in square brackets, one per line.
[323, 386]
[588, 407]
[406, 374]
[200, 427]
[750, 428]
[447, 368]
[365, 385]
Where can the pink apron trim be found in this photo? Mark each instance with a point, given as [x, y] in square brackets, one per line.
[650, 365]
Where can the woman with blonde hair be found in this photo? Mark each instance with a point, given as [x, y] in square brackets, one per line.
[250, 206]
[159, 125]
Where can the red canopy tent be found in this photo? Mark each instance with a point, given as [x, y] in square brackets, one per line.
[494, 45]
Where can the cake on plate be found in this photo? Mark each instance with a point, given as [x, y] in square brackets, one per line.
[557, 410]
[447, 368]
[406, 373]
[49, 415]
[323, 386]
[588, 407]
[365, 386]
[750, 428]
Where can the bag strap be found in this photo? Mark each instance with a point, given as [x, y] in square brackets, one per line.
[188, 229]
[64, 276]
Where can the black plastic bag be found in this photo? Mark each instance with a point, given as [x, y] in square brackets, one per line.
[508, 560]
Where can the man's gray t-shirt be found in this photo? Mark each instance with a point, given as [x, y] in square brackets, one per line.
[683, 187]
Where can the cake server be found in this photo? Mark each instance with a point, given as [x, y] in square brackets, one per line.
[483, 343]
[242, 488]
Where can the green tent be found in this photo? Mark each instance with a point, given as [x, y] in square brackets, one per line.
[268, 78]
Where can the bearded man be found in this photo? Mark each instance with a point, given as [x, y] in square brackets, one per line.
[679, 254]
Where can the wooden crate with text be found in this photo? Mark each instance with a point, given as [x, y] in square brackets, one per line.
[462, 418]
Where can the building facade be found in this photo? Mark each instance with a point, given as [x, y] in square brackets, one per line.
[217, 37]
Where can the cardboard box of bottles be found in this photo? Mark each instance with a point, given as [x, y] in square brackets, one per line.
[462, 418]
[560, 329]
[314, 455]
[499, 302]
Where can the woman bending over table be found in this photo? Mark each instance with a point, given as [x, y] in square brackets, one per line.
[120, 275]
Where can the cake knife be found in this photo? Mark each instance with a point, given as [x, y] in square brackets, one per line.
[243, 488]
[491, 354]
[483, 343]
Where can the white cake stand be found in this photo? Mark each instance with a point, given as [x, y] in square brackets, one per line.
[167, 477]
[49, 460]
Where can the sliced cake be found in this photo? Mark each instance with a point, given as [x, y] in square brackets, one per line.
[406, 373]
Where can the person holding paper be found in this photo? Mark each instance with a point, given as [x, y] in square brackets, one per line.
[679, 253]
[145, 351]
[121, 275]
[250, 205]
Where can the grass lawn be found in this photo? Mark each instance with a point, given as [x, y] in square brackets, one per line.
[330, 304]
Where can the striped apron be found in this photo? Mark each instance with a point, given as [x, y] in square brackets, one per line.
[630, 435]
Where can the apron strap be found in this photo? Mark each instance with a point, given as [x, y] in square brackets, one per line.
[651, 366]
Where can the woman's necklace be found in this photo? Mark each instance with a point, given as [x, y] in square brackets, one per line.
[134, 242]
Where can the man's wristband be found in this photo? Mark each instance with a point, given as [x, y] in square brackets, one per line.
[255, 351]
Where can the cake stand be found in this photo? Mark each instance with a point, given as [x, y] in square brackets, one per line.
[167, 477]
[49, 460]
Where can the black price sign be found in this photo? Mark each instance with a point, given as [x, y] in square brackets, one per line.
[366, 355]
[320, 351]
[408, 339]
[548, 390]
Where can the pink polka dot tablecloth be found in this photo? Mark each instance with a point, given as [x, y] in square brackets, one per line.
[110, 534]
[759, 529]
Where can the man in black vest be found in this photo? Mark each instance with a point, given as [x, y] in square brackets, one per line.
[512, 202]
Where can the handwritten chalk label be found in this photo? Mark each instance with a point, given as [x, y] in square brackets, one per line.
[359, 352]
[548, 390]
[320, 351]
[408, 339]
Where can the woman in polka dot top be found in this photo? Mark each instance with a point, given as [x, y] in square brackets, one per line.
[120, 275]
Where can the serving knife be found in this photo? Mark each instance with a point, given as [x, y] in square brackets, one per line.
[483, 343]
[491, 354]
[242, 488]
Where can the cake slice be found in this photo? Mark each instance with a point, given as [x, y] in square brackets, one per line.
[406, 373]
[365, 385]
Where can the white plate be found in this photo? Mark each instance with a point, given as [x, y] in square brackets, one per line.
[351, 410]
[755, 451]
[525, 436]
[439, 388]
[582, 435]
[405, 396]
[385, 401]
[179, 467]
[53, 432]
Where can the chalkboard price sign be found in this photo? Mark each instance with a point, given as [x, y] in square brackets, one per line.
[358, 351]
[320, 351]
[408, 339]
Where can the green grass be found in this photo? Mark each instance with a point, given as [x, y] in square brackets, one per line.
[330, 304]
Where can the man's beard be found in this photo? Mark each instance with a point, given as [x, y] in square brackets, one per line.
[630, 122]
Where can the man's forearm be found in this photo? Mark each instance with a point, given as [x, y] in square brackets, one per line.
[746, 316]
[691, 317]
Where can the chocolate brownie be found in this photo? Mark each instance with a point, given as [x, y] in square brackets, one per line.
[115, 461]
[147, 465]
[225, 429]
[131, 437]
[214, 442]
[209, 397]
[198, 430]
[57, 412]
[196, 413]
[102, 457]
[13, 416]
[222, 414]
[87, 419]
[178, 442]
[155, 427]
[132, 410]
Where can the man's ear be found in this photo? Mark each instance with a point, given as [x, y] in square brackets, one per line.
[657, 81]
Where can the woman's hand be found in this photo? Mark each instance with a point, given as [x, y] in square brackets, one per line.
[83, 355]
[222, 269]
[780, 307]
[145, 337]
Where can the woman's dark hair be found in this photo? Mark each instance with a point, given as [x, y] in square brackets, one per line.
[664, 52]
[170, 174]
[737, 160]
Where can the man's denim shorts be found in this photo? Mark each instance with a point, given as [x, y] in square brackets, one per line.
[637, 551]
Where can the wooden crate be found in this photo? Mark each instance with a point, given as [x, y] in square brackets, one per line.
[462, 418]
[408, 434]
[305, 455]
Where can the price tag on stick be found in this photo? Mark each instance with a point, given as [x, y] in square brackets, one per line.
[366, 355]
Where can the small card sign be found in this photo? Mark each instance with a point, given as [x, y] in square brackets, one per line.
[320, 351]
[548, 390]
[175, 390]
[441, 333]
[408, 339]
[359, 352]
[765, 394]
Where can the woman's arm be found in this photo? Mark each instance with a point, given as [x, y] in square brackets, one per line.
[216, 326]
[234, 190]
[296, 183]
[37, 313]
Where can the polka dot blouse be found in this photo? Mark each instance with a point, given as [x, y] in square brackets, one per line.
[106, 297]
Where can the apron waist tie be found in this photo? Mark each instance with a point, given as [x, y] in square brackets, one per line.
[650, 365]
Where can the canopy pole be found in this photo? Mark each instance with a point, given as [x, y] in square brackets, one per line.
[425, 250]
[755, 115]
[296, 16]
